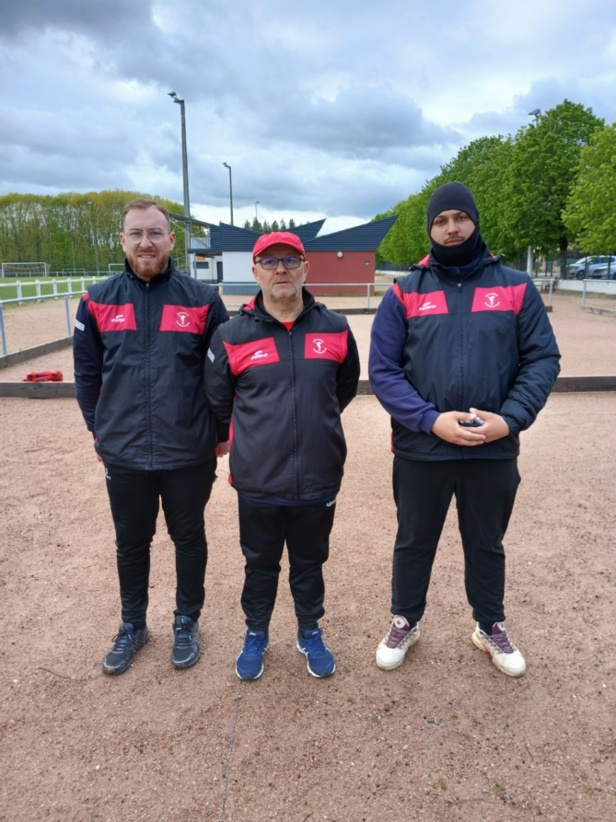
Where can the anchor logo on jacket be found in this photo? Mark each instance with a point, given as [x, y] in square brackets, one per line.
[319, 346]
[183, 319]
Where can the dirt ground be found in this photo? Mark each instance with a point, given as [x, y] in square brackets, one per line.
[444, 737]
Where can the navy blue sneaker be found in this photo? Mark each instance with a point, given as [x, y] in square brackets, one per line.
[186, 648]
[319, 658]
[126, 643]
[249, 664]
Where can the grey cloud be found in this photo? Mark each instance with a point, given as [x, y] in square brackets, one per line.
[99, 19]
[362, 123]
[332, 107]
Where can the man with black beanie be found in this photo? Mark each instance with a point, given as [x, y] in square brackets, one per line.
[463, 358]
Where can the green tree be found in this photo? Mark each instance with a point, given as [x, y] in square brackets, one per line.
[483, 166]
[590, 215]
[69, 231]
[542, 170]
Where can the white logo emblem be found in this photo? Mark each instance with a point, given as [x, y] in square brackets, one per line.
[119, 318]
[319, 346]
[427, 307]
[492, 300]
[259, 355]
[183, 320]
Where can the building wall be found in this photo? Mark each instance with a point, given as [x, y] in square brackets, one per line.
[326, 267]
[351, 267]
[237, 277]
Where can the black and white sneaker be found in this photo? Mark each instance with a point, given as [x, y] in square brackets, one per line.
[186, 648]
[125, 645]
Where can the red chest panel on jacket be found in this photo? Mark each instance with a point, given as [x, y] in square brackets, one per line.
[499, 298]
[174, 317]
[251, 354]
[328, 346]
[113, 317]
[181, 318]
[418, 305]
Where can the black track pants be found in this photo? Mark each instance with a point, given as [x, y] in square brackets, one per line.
[264, 529]
[485, 492]
[134, 497]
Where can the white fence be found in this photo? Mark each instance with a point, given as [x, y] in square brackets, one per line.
[74, 287]
[48, 289]
[51, 289]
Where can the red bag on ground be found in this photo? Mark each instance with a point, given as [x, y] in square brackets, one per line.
[44, 376]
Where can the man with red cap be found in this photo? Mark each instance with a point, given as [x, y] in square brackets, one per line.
[281, 372]
[463, 358]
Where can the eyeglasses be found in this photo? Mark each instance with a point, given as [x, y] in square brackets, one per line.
[271, 263]
[154, 235]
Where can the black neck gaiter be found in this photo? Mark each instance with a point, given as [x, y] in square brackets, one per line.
[460, 255]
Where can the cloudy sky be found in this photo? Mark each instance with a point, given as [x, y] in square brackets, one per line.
[328, 108]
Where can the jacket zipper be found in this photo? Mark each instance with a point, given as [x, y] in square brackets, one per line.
[295, 431]
[148, 380]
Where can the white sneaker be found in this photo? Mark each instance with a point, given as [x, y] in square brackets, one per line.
[504, 653]
[392, 650]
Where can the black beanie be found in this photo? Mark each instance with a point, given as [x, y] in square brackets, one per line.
[452, 195]
[456, 196]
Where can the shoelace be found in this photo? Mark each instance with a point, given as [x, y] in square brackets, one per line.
[502, 642]
[254, 645]
[314, 644]
[183, 636]
[123, 641]
[396, 636]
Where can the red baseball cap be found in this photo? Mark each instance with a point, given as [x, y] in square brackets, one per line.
[277, 238]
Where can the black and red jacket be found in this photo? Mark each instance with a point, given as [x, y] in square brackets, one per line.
[139, 350]
[283, 391]
[441, 343]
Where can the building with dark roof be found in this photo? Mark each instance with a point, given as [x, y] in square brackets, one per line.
[342, 262]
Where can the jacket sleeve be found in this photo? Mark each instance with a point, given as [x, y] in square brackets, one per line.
[386, 367]
[219, 381]
[216, 316]
[347, 378]
[88, 362]
[539, 364]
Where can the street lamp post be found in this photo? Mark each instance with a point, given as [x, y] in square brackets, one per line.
[187, 231]
[94, 236]
[256, 212]
[536, 113]
[226, 165]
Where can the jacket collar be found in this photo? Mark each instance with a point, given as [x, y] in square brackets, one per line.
[255, 306]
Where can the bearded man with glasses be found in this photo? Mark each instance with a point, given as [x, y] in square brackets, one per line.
[284, 369]
[140, 343]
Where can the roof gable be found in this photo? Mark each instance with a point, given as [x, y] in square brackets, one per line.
[366, 237]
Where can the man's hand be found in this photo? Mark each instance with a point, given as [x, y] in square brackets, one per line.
[494, 426]
[98, 456]
[448, 428]
[222, 448]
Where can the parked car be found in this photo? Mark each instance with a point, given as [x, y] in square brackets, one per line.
[595, 268]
